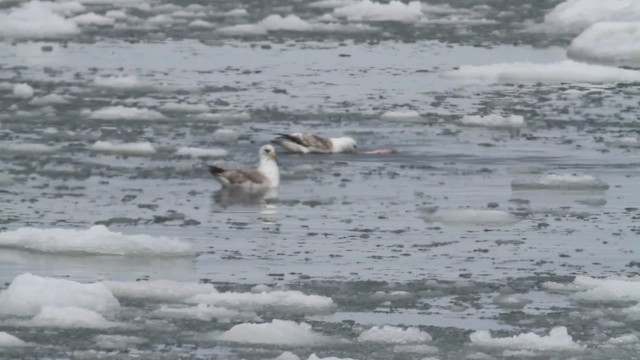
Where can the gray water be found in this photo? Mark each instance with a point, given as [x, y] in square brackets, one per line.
[343, 226]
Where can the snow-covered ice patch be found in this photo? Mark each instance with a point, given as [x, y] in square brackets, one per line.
[401, 115]
[119, 82]
[8, 340]
[24, 91]
[280, 332]
[557, 340]
[473, 217]
[225, 135]
[92, 18]
[137, 148]
[566, 71]
[184, 108]
[125, 113]
[50, 99]
[394, 335]
[97, 239]
[573, 16]
[202, 312]
[28, 148]
[158, 290]
[69, 317]
[367, 10]
[561, 182]
[616, 43]
[35, 19]
[282, 301]
[624, 339]
[494, 121]
[601, 290]
[201, 153]
[28, 294]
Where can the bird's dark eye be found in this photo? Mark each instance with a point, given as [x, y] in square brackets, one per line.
[267, 150]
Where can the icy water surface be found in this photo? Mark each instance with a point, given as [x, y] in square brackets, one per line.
[505, 224]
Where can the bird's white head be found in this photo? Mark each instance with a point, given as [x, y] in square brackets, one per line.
[344, 144]
[267, 152]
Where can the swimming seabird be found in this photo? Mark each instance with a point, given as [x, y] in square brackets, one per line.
[266, 175]
[305, 143]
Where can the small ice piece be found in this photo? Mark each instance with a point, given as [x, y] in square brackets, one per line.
[367, 10]
[573, 16]
[394, 335]
[92, 18]
[287, 355]
[69, 317]
[632, 312]
[331, 4]
[561, 182]
[36, 19]
[494, 121]
[8, 340]
[280, 332]
[401, 115]
[28, 148]
[474, 217]
[201, 153]
[98, 239]
[118, 342]
[51, 99]
[119, 82]
[225, 135]
[24, 91]
[201, 24]
[28, 294]
[136, 149]
[392, 296]
[616, 43]
[558, 339]
[625, 142]
[624, 339]
[125, 113]
[157, 290]
[566, 71]
[243, 116]
[511, 301]
[237, 12]
[202, 312]
[184, 108]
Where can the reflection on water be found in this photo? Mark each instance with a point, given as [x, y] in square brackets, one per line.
[245, 199]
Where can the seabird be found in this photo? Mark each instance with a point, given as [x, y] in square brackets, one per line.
[266, 175]
[305, 143]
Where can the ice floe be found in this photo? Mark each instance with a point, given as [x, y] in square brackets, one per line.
[281, 332]
[201, 153]
[119, 82]
[473, 217]
[125, 113]
[558, 339]
[331, 4]
[203, 312]
[242, 116]
[184, 107]
[158, 290]
[601, 290]
[69, 317]
[50, 99]
[394, 335]
[402, 115]
[566, 71]
[36, 19]
[24, 91]
[625, 142]
[561, 182]
[8, 340]
[282, 301]
[137, 148]
[97, 239]
[494, 121]
[290, 23]
[225, 135]
[92, 18]
[616, 43]
[28, 294]
[28, 148]
[367, 10]
[575, 15]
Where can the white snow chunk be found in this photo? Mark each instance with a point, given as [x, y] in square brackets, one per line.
[93, 19]
[394, 335]
[184, 107]
[225, 135]
[51, 99]
[494, 121]
[137, 148]
[625, 142]
[160, 21]
[24, 91]
[243, 116]
[561, 182]
[118, 342]
[35, 19]
[117, 14]
[203, 312]
[201, 153]
[558, 339]
[624, 339]
[237, 12]
[566, 71]
[28, 294]
[281, 332]
[290, 23]
[243, 30]
[158, 290]
[119, 82]
[28, 148]
[616, 43]
[401, 115]
[69, 317]
[8, 340]
[98, 239]
[123, 112]
[573, 16]
[601, 290]
[283, 301]
[201, 24]
[474, 217]
[331, 4]
[632, 312]
[367, 10]
[287, 355]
